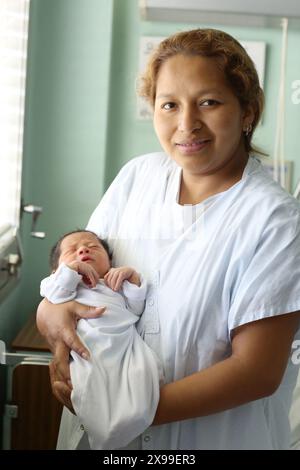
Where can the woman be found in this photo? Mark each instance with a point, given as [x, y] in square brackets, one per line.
[219, 243]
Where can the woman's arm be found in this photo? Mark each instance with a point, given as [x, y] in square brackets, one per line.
[260, 351]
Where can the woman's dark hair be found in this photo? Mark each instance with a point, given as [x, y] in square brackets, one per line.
[55, 251]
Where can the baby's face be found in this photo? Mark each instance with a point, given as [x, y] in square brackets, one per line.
[85, 247]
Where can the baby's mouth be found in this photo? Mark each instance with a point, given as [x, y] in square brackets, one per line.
[86, 258]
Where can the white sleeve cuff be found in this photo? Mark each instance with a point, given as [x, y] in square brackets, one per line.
[66, 277]
[134, 292]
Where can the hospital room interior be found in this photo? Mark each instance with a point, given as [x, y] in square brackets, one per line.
[70, 119]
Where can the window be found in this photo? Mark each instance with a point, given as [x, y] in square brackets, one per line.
[14, 18]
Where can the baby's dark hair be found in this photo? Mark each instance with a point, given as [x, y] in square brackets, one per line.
[55, 250]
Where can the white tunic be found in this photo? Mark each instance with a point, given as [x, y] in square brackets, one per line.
[120, 382]
[233, 259]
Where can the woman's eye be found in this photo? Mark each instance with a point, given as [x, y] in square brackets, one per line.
[208, 103]
[168, 106]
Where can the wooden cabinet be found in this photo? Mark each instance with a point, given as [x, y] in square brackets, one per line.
[33, 412]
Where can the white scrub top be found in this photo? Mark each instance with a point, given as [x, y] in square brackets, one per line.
[233, 259]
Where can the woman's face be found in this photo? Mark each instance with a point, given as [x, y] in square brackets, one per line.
[197, 118]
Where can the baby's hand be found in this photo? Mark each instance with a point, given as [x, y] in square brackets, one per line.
[89, 275]
[115, 277]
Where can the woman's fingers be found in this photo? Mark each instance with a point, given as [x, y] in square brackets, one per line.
[60, 367]
[71, 340]
[58, 323]
[62, 393]
[84, 311]
[69, 335]
[60, 376]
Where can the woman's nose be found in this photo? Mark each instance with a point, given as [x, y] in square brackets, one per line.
[83, 249]
[189, 120]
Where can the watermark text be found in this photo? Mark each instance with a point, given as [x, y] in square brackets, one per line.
[296, 92]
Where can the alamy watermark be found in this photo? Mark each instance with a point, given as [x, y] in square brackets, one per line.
[296, 353]
[296, 93]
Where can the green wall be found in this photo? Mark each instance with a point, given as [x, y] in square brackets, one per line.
[65, 132]
[81, 123]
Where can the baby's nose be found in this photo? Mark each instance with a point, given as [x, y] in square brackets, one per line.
[83, 249]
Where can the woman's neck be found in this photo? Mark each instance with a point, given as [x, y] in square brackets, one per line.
[195, 188]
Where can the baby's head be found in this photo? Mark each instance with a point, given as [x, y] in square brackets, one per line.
[81, 245]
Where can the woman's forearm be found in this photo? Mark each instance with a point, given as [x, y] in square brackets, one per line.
[254, 370]
[220, 387]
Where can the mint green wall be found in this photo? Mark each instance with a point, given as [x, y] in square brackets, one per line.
[65, 132]
[81, 121]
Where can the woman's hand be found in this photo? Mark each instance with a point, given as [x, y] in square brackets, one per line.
[60, 376]
[57, 323]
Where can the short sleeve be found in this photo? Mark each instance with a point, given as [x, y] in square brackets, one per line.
[270, 283]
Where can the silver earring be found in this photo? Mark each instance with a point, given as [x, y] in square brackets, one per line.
[248, 129]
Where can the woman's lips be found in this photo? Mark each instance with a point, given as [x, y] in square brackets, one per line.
[192, 147]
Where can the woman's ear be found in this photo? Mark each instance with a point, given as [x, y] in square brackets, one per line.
[248, 116]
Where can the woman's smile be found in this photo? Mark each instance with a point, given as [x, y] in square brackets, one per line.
[193, 146]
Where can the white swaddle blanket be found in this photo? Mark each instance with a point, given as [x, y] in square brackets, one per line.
[116, 392]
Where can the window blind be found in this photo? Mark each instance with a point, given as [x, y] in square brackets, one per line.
[14, 19]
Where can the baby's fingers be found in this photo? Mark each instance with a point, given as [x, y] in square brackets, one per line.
[93, 278]
[118, 281]
[113, 280]
[108, 278]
